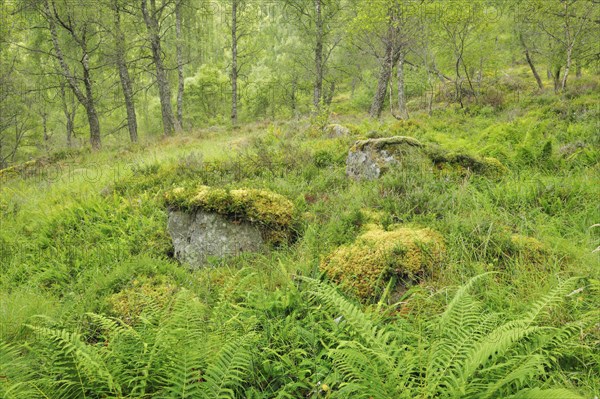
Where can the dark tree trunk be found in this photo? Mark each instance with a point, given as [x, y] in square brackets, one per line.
[87, 99]
[556, 78]
[45, 128]
[69, 115]
[179, 49]
[293, 94]
[353, 86]
[124, 76]
[164, 90]
[91, 103]
[533, 70]
[69, 130]
[384, 77]
[318, 90]
[234, 66]
[330, 94]
[530, 62]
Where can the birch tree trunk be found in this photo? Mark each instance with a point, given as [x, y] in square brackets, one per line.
[124, 75]
[87, 99]
[164, 90]
[234, 66]
[384, 77]
[179, 50]
[318, 90]
[402, 109]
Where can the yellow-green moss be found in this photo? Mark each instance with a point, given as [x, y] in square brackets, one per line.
[142, 292]
[382, 143]
[364, 267]
[269, 210]
[530, 249]
[24, 169]
[487, 166]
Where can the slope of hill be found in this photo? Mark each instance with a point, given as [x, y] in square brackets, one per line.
[93, 304]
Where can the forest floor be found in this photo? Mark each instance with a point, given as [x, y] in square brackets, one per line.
[83, 241]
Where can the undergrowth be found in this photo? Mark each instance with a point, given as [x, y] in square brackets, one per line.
[93, 304]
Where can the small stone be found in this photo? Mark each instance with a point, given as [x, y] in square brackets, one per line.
[368, 159]
[335, 130]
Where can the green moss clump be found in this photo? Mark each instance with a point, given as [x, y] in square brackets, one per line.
[487, 166]
[142, 293]
[25, 169]
[364, 267]
[383, 143]
[271, 211]
[529, 249]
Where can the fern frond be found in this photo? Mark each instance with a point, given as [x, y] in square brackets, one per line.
[226, 373]
[85, 357]
[371, 334]
[525, 369]
[495, 345]
[15, 373]
[537, 393]
[554, 297]
[113, 327]
[370, 373]
[459, 297]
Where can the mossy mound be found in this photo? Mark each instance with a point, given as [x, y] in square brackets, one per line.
[272, 212]
[529, 249]
[26, 169]
[336, 130]
[486, 166]
[364, 267]
[369, 159]
[385, 143]
[142, 293]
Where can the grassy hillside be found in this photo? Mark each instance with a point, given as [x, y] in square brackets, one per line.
[93, 305]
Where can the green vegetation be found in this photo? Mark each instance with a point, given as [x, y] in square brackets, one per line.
[377, 255]
[272, 212]
[94, 306]
[468, 269]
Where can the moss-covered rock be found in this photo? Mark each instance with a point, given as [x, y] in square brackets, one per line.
[369, 159]
[25, 169]
[364, 267]
[386, 142]
[262, 207]
[487, 166]
[336, 130]
[208, 222]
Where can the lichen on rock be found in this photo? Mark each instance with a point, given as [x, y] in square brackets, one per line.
[369, 159]
[365, 266]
